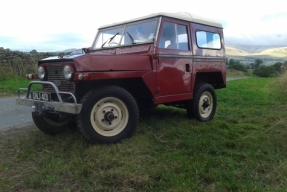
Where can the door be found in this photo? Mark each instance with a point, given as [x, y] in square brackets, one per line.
[174, 66]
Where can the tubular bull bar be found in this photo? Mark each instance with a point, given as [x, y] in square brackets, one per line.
[52, 106]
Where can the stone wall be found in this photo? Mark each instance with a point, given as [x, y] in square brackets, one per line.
[15, 63]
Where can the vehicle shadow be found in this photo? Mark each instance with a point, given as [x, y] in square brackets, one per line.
[163, 112]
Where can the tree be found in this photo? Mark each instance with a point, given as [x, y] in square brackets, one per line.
[248, 66]
[284, 67]
[231, 62]
[33, 52]
[277, 66]
[237, 62]
[258, 62]
[264, 71]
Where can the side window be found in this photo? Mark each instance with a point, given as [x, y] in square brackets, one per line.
[208, 40]
[168, 35]
[174, 36]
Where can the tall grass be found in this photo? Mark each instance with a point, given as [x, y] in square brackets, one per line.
[281, 84]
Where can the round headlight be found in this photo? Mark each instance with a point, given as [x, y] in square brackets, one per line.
[67, 72]
[41, 73]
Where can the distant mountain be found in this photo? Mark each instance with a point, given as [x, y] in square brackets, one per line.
[65, 51]
[235, 51]
[256, 51]
[56, 52]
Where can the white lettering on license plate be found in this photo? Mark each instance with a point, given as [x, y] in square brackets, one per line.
[40, 96]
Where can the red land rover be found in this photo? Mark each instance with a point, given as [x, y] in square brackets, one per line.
[175, 59]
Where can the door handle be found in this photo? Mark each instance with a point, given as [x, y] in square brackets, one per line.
[187, 68]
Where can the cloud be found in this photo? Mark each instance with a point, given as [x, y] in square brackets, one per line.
[53, 42]
[260, 39]
[8, 42]
[60, 24]
[65, 41]
[274, 16]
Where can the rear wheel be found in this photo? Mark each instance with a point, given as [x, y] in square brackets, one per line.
[108, 115]
[203, 105]
[52, 125]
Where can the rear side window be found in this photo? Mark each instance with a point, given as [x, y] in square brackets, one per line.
[208, 40]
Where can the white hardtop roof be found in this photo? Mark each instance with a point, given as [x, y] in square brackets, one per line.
[182, 16]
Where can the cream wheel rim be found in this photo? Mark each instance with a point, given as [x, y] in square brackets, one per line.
[109, 116]
[205, 104]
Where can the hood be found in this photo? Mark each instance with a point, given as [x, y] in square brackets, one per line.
[65, 57]
[111, 62]
[55, 59]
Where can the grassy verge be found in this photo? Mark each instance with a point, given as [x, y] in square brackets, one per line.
[250, 71]
[242, 149]
[236, 75]
[10, 87]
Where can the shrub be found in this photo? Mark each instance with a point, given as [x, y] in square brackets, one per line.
[238, 67]
[277, 66]
[265, 71]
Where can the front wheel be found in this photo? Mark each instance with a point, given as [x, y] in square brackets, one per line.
[52, 125]
[203, 105]
[108, 115]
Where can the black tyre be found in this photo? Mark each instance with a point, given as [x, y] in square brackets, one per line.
[203, 105]
[52, 125]
[108, 115]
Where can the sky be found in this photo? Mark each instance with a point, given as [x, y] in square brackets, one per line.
[59, 25]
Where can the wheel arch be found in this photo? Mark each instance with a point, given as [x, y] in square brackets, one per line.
[135, 86]
[216, 79]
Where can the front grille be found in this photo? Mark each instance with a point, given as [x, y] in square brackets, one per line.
[55, 75]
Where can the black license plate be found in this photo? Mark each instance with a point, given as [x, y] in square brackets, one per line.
[41, 96]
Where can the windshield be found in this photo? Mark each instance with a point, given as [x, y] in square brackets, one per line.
[134, 33]
[104, 38]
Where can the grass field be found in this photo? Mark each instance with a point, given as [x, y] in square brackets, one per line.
[10, 87]
[242, 149]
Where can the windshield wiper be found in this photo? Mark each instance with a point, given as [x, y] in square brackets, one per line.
[132, 39]
[110, 39]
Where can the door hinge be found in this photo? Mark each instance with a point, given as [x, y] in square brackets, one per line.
[156, 57]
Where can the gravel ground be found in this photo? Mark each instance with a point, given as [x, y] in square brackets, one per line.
[12, 115]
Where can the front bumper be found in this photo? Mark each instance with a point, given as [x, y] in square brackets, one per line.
[52, 106]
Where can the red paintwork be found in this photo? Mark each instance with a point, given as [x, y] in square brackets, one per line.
[127, 62]
[34, 76]
[172, 98]
[162, 70]
[110, 75]
[172, 78]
